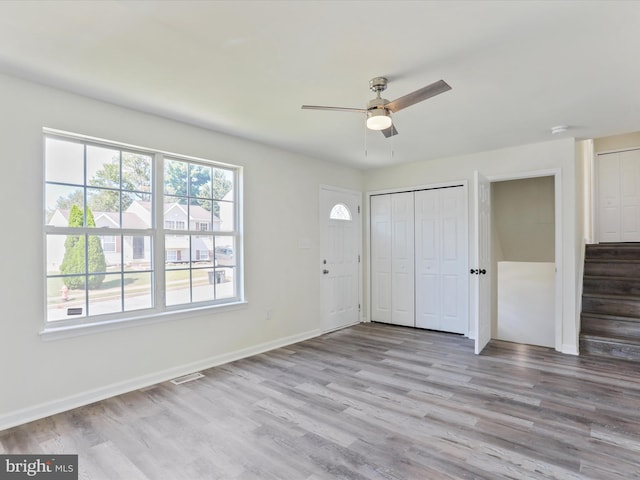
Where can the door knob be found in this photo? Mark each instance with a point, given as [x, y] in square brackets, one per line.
[473, 271]
[325, 271]
[483, 271]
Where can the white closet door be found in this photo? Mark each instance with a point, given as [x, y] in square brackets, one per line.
[630, 195]
[380, 209]
[609, 226]
[454, 262]
[619, 196]
[428, 246]
[441, 260]
[402, 259]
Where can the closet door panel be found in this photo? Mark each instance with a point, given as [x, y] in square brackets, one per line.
[609, 202]
[381, 258]
[427, 252]
[454, 261]
[402, 259]
[630, 195]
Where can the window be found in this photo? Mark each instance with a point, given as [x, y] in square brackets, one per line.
[93, 185]
[109, 244]
[197, 194]
[340, 212]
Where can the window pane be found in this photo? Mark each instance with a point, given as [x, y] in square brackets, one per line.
[59, 201]
[106, 297]
[202, 250]
[200, 215]
[104, 206]
[176, 249]
[63, 302]
[64, 161]
[97, 260]
[224, 251]
[55, 253]
[222, 184]
[340, 212]
[178, 287]
[137, 252]
[136, 210]
[103, 166]
[136, 172]
[224, 220]
[176, 213]
[72, 260]
[175, 177]
[203, 282]
[226, 285]
[199, 181]
[138, 288]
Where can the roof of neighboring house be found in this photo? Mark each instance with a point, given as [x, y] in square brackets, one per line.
[196, 212]
[131, 219]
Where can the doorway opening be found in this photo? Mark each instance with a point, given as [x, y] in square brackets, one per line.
[524, 260]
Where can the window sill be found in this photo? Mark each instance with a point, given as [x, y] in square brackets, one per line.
[57, 333]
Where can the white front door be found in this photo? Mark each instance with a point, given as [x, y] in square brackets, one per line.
[340, 253]
[480, 263]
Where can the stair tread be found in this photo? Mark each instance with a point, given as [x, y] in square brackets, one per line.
[609, 317]
[611, 296]
[611, 338]
[612, 277]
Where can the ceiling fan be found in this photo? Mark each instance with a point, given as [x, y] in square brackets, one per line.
[379, 109]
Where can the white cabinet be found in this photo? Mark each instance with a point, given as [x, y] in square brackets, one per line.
[419, 259]
[619, 196]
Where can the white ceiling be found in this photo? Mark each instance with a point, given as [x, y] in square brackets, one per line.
[517, 68]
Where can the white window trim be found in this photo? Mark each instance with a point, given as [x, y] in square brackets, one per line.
[160, 312]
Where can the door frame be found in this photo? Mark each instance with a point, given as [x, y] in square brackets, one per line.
[367, 245]
[331, 188]
[557, 187]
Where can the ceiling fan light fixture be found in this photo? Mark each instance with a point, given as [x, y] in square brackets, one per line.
[378, 119]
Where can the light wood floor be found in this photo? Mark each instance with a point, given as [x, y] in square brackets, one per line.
[368, 402]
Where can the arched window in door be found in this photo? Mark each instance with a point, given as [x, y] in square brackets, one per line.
[340, 212]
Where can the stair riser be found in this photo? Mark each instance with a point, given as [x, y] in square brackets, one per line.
[625, 287]
[611, 269]
[613, 252]
[604, 327]
[607, 349]
[625, 308]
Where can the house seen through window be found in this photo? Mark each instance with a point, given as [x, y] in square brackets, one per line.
[116, 248]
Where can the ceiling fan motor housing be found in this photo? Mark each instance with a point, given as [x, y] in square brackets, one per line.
[378, 84]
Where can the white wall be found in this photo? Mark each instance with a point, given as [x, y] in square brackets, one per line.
[281, 193]
[557, 154]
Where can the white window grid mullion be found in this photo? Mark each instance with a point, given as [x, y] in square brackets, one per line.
[157, 212]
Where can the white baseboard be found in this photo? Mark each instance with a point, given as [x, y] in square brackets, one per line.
[35, 412]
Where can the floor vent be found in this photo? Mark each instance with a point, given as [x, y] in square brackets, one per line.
[187, 378]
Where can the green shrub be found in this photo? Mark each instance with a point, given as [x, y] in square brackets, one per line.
[75, 256]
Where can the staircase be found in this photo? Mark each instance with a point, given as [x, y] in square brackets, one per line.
[610, 319]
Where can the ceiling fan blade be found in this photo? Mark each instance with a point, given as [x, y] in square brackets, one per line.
[389, 132]
[409, 99]
[334, 109]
